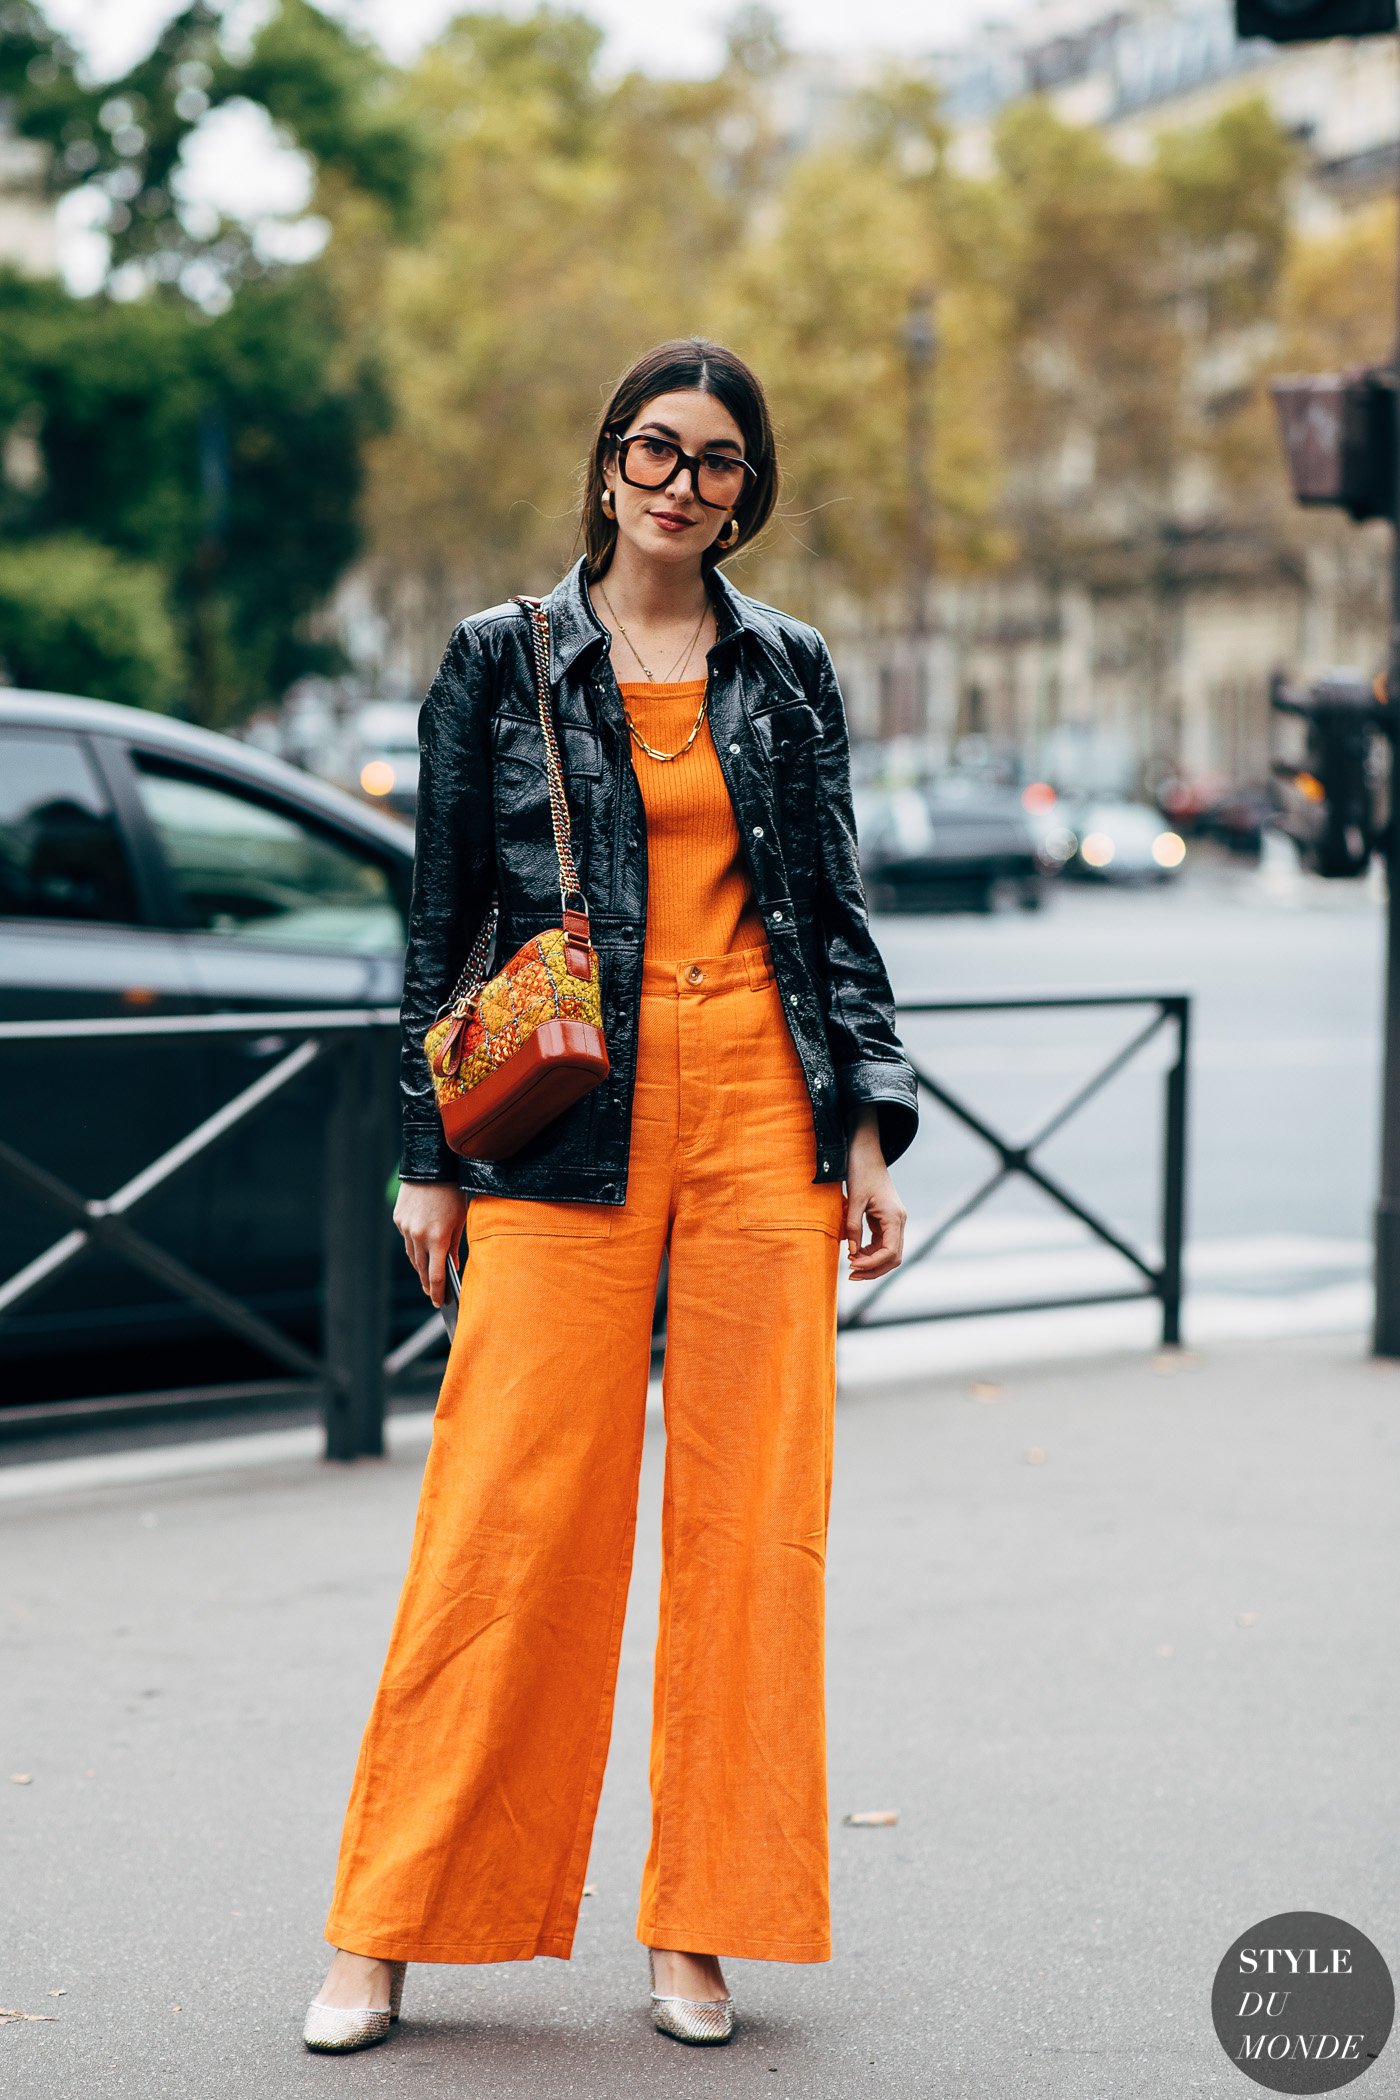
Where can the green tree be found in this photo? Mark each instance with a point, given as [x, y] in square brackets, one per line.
[224, 446]
[819, 296]
[77, 618]
[1093, 360]
[1337, 298]
[1226, 194]
[568, 222]
[330, 92]
[226, 451]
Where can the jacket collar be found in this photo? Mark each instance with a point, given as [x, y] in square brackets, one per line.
[575, 631]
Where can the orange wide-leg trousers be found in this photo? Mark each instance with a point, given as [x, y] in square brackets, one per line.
[468, 1829]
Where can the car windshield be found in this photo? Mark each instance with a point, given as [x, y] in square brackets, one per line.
[257, 874]
[1125, 821]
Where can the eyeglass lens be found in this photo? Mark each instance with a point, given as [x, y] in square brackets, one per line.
[650, 462]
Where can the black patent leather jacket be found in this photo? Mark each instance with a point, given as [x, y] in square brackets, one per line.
[779, 727]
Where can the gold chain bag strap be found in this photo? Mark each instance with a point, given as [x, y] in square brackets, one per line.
[509, 1053]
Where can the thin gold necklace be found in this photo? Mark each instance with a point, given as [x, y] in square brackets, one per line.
[684, 658]
[663, 757]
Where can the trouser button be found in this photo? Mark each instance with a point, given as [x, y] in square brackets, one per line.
[695, 975]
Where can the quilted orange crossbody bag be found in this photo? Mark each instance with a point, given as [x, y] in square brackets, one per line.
[508, 1053]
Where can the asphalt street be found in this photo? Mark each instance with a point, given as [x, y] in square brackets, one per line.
[1115, 1640]
[1285, 974]
[1285, 971]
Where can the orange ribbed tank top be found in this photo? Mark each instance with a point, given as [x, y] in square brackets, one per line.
[699, 897]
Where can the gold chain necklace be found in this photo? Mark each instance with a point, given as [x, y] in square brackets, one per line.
[650, 749]
[664, 757]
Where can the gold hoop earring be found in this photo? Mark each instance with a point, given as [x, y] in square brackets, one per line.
[729, 535]
[607, 505]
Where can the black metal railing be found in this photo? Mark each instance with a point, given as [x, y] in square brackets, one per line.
[1159, 1278]
[355, 1372]
[358, 1049]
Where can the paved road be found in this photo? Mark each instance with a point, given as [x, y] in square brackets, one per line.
[1286, 975]
[1102, 1775]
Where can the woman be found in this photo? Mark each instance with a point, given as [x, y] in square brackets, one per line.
[754, 1067]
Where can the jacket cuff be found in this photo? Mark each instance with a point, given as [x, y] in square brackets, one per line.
[426, 1154]
[893, 1091]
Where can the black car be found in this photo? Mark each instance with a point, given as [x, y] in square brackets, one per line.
[149, 867]
[925, 850]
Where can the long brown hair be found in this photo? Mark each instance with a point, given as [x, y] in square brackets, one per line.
[689, 363]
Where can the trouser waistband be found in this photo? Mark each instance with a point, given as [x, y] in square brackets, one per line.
[699, 974]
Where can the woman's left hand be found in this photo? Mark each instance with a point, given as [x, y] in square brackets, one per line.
[871, 1194]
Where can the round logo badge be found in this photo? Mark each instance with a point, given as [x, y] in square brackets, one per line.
[1303, 2003]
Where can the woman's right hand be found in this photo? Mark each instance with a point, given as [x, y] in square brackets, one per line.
[430, 1215]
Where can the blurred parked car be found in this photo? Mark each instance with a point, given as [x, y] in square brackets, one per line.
[1232, 814]
[1055, 842]
[383, 741]
[1120, 842]
[149, 867]
[925, 848]
[1236, 819]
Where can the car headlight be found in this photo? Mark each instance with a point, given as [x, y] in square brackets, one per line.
[1168, 849]
[1058, 846]
[1097, 850]
[376, 776]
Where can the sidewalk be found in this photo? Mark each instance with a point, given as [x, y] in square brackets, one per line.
[1117, 1641]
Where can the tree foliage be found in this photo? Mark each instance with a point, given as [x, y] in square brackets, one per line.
[77, 618]
[510, 225]
[569, 223]
[331, 93]
[1339, 293]
[221, 448]
[1085, 308]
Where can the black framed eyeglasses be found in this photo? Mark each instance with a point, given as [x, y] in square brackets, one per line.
[720, 479]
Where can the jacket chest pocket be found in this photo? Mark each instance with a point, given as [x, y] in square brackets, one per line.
[521, 783]
[790, 736]
[788, 733]
[518, 742]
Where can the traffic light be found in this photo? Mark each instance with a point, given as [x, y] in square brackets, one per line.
[1339, 439]
[1334, 822]
[1297, 21]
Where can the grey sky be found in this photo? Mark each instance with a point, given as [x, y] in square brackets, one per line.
[235, 163]
[673, 36]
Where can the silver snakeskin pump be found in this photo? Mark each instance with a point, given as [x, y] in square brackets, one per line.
[341, 2028]
[696, 2020]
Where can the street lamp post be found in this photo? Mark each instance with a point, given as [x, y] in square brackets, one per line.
[920, 352]
[1348, 480]
[1387, 1323]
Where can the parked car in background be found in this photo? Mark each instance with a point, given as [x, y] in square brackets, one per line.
[149, 867]
[1232, 814]
[943, 847]
[1117, 841]
[383, 754]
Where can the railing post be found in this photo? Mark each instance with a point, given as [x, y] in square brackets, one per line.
[356, 1296]
[1174, 1177]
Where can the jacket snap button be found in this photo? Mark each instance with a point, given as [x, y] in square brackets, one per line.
[776, 916]
[758, 831]
[826, 1164]
[734, 750]
[695, 974]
